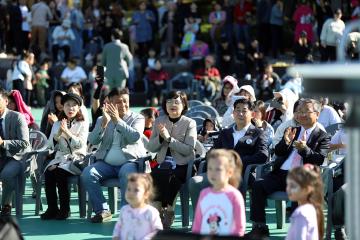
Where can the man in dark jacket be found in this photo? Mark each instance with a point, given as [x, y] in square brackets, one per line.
[300, 145]
[243, 137]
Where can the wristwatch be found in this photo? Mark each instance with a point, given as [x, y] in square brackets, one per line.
[168, 139]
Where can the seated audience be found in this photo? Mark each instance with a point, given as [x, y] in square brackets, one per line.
[14, 144]
[118, 134]
[17, 104]
[173, 139]
[259, 121]
[210, 80]
[51, 112]
[328, 115]
[68, 139]
[282, 106]
[156, 77]
[209, 125]
[243, 137]
[62, 38]
[299, 145]
[245, 92]
[73, 73]
[150, 114]
[229, 88]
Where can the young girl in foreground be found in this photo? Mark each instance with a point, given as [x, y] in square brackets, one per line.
[220, 209]
[304, 186]
[138, 220]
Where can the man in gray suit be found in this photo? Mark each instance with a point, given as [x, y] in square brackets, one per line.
[119, 136]
[14, 143]
[117, 59]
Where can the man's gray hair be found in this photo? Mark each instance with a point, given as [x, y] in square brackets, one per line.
[315, 103]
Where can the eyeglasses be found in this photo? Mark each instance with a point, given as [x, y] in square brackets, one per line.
[304, 113]
[173, 101]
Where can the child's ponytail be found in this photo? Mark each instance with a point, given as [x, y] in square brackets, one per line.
[236, 164]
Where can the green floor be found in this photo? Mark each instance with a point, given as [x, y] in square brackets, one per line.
[76, 228]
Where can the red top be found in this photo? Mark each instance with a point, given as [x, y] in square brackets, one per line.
[240, 12]
[210, 72]
[155, 75]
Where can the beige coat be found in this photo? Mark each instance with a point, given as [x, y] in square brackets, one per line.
[182, 143]
[77, 144]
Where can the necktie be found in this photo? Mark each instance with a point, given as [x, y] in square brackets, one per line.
[1, 129]
[297, 158]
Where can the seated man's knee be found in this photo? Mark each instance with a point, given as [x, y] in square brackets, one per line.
[89, 174]
[195, 183]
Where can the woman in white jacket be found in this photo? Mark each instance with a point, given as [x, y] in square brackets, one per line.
[68, 139]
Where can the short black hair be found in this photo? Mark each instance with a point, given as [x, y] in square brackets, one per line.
[174, 95]
[250, 104]
[118, 92]
[116, 34]
[150, 112]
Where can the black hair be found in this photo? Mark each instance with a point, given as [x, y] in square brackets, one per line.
[150, 112]
[250, 104]
[118, 92]
[174, 95]
[116, 34]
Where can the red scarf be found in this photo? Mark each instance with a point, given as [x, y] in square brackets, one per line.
[22, 107]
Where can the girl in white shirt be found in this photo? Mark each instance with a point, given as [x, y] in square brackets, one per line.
[138, 220]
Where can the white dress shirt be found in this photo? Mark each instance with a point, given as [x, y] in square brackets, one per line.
[239, 134]
[287, 165]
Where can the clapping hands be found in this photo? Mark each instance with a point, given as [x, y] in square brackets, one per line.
[289, 135]
[164, 133]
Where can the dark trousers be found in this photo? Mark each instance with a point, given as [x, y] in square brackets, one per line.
[168, 183]
[270, 183]
[338, 215]
[328, 54]
[276, 39]
[57, 178]
[55, 51]
[9, 171]
[18, 84]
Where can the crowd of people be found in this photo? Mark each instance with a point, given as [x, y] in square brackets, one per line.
[65, 42]
[262, 117]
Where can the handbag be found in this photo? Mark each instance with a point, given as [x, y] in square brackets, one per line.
[168, 163]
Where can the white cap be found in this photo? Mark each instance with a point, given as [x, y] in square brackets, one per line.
[250, 90]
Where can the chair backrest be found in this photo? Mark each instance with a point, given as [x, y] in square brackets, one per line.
[208, 109]
[332, 129]
[38, 140]
[199, 122]
[193, 103]
[182, 81]
[201, 114]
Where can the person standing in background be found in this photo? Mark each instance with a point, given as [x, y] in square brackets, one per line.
[331, 34]
[117, 58]
[40, 17]
[25, 26]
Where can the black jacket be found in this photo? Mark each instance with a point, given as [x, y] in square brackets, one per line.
[315, 152]
[252, 147]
